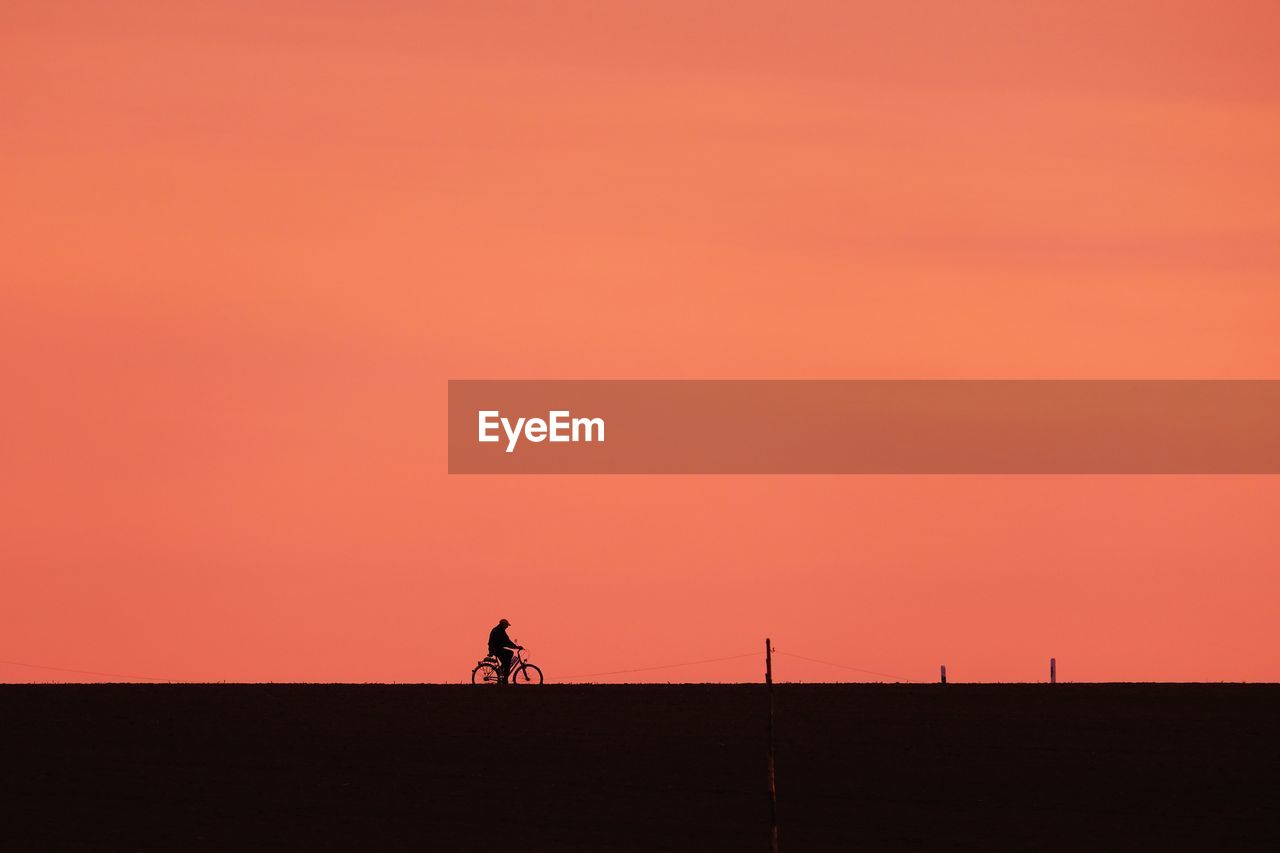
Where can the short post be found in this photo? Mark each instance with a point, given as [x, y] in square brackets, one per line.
[773, 789]
[1053, 670]
[944, 673]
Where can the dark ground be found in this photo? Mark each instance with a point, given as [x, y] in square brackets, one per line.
[603, 768]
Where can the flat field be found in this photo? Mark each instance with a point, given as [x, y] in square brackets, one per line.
[640, 767]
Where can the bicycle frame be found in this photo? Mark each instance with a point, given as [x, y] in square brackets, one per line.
[519, 665]
[517, 662]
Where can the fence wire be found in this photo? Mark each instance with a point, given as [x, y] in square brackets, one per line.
[566, 678]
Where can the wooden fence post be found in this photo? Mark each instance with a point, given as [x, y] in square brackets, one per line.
[944, 673]
[1053, 670]
[773, 789]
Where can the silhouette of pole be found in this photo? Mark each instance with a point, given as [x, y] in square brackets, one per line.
[944, 673]
[1053, 670]
[773, 788]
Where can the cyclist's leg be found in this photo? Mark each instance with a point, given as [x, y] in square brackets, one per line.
[505, 656]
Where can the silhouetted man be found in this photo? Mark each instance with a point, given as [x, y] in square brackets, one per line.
[500, 646]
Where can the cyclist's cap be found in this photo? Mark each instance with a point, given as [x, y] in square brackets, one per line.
[503, 622]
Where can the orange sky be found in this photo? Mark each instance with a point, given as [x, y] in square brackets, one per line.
[244, 245]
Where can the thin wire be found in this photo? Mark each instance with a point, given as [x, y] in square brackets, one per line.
[845, 666]
[664, 666]
[84, 671]
[564, 678]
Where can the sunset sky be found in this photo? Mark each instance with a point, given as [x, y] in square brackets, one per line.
[244, 245]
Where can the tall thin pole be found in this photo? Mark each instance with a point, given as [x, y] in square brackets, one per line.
[773, 788]
[1053, 670]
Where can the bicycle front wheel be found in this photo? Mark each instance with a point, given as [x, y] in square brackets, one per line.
[485, 673]
[527, 674]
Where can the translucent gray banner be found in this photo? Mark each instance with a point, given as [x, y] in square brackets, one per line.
[864, 427]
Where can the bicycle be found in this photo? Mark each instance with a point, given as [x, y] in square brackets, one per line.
[488, 670]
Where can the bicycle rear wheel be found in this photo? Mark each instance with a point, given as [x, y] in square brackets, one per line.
[527, 674]
[485, 673]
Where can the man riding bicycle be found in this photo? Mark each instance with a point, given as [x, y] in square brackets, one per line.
[500, 646]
